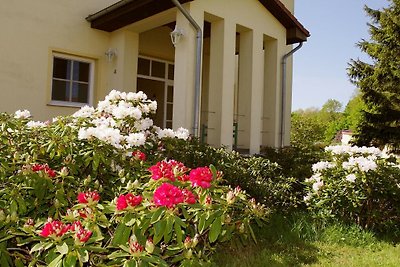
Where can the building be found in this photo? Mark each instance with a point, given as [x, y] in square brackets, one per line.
[224, 80]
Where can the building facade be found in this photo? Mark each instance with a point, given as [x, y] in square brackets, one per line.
[223, 81]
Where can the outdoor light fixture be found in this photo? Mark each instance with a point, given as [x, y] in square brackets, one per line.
[110, 54]
[176, 35]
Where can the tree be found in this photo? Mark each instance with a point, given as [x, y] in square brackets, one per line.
[379, 81]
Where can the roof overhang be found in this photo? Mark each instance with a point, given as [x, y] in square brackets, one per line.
[126, 12]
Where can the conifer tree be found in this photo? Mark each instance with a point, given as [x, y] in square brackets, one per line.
[379, 80]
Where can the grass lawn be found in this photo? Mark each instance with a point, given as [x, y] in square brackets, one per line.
[298, 242]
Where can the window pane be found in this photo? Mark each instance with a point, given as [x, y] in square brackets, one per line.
[169, 124]
[170, 72]
[62, 68]
[144, 66]
[80, 92]
[169, 111]
[158, 69]
[60, 91]
[81, 71]
[170, 94]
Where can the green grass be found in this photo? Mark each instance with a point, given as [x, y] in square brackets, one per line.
[298, 241]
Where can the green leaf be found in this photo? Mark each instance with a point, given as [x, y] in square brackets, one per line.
[157, 215]
[202, 221]
[159, 229]
[118, 254]
[70, 260]
[121, 235]
[63, 249]
[83, 255]
[19, 263]
[168, 229]
[37, 247]
[178, 232]
[215, 229]
[57, 262]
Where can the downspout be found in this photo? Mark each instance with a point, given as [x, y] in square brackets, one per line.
[283, 95]
[199, 36]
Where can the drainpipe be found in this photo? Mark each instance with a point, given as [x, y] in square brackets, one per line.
[283, 96]
[199, 38]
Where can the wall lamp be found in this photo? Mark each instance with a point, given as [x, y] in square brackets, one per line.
[176, 35]
[111, 53]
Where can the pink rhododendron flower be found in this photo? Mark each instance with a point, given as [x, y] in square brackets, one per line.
[189, 197]
[139, 155]
[81, 233]
[170, 169]
[168, 195]
[123, 201]
[135, 248]
[201, 176]
[86, 197]
[54, 228]
[45, 168]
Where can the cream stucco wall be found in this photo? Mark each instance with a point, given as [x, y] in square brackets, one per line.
[30, 31]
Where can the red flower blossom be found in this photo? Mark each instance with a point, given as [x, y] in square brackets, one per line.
[135, 248]
[168, 195]
[86, 197]
[55, 228]
[81, 233]
[201, 176]
[139, 155]
[45, 168]
[123, 201]
[170, 169]
[189, 197]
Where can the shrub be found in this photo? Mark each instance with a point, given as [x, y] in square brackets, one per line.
[90, 189]
[357, 185]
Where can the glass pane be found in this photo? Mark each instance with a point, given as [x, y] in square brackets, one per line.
[154, 91]
[62, 68]
[81, 71]
[171, 72]
[144, 66]
[168, 124]
[170, 94]
[169, 111]
[60, 91]
[80, 92]
[158, 69]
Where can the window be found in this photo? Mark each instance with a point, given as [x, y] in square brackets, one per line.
[72, 81]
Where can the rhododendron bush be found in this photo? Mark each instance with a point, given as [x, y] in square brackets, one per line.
[92, 189]
[359, 185]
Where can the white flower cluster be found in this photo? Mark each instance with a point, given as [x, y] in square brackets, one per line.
[316, 181]
[22, 114]
[365, 164]
[36, 124]
[351, 150]
[322, 165]
[121, 120]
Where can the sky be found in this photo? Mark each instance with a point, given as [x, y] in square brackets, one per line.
[319, 70]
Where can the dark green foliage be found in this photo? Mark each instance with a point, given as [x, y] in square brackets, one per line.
[379, 80]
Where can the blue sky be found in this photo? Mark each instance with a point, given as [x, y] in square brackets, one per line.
[319, 71]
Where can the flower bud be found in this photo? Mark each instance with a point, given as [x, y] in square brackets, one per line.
[188, 254]
[64, 172]
[14, 216]
[121, 173]
[230, 197]
[149, 246]
[56, 203]
[188, 242]
[195, 240]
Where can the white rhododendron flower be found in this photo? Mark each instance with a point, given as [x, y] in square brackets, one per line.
[143, 124]
[36, 124]
[351, 178]
[84, 112]
[322, 165]
[182, 133]
[307, 197]
[317, 185]
[166, 133]
[22, 114]
[365, 164]
[351, 150]
[136, 139]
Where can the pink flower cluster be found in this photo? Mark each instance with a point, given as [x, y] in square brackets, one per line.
[88, 197]
[57, 229]
[169, 195]
[170, 169]
[45, 168]
[128, 200]
[201, 176]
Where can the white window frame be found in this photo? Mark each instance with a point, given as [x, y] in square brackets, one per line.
[90, 81]
[166, 80]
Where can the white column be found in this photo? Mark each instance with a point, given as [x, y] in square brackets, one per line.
[257, 86]
[221, 87]
[185, 62]
[123, 68]
[271, 94]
